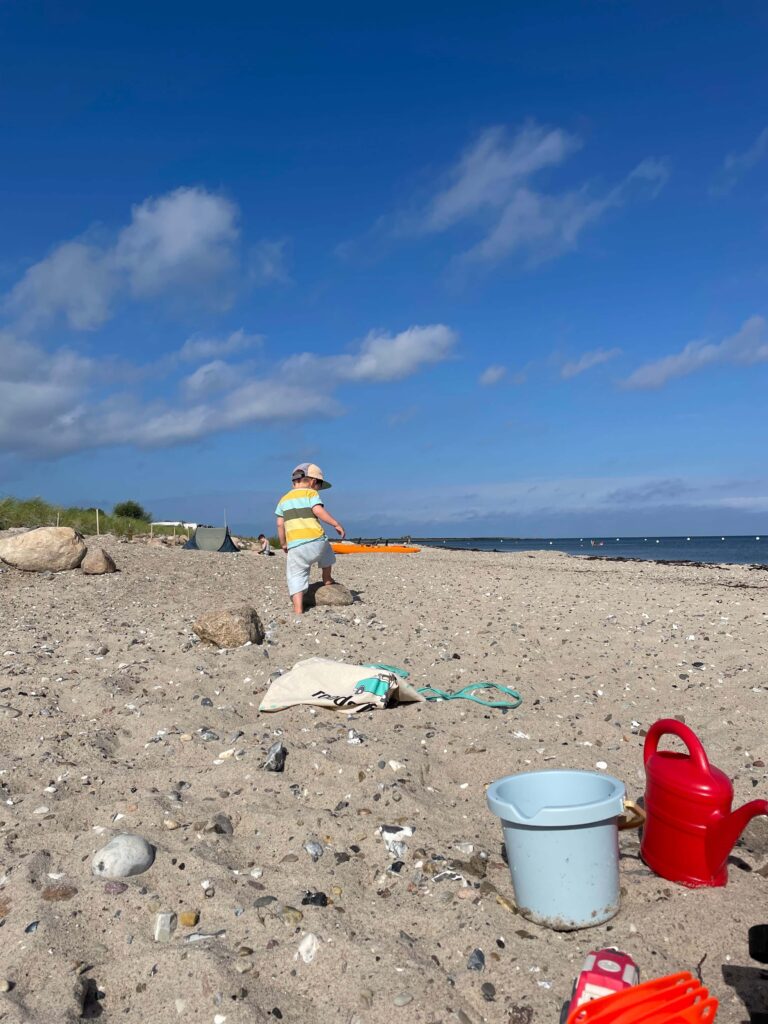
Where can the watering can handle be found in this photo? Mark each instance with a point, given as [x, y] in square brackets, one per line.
[672, 727]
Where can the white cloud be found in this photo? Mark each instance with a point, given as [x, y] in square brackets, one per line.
[586, 361]
[386, 357]
[747, 347]
[55, 403]
[490, 187]
[268, 263]
[197, 348]
[488, 173]
[182, 239]
[210, 377]
[182, 242]
[736, 165]
[492, 375]
[380, 357]
[75, 281]
[545, 226]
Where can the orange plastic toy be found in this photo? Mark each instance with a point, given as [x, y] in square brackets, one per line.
[674, 999]
[343, 548]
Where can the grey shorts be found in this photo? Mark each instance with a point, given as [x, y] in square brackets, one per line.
[302, 558]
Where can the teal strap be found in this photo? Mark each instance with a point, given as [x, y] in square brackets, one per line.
[468, 693]
[401, 672]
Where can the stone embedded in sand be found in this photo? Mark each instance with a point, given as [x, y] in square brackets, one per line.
[165, 926]
[276, 756]
[123, 856]
[307, 948]
[47, 549]
[324, 596]
[58, 893]
[97, 562]
[230, 627]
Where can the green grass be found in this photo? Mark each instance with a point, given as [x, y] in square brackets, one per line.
[34, 512]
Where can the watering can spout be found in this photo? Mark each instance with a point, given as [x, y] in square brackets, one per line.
[722, 835]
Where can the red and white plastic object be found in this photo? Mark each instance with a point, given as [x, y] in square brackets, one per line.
[605, 971]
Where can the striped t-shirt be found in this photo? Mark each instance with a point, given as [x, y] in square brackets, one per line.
[295, 507]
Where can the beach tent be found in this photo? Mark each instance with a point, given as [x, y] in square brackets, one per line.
[211, 538]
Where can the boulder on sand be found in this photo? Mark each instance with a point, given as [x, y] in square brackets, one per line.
[97, 562]
[230, 627]
[47, 549]
[328, 594]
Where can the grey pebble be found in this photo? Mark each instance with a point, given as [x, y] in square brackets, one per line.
[476, 960]
[314, 849]
[276, 755]
[264, 901]
[403, 999]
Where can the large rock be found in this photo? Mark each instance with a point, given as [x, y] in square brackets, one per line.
[125, 855]
[331, 594]
[98, 561]
[47, 549]
[230, 627]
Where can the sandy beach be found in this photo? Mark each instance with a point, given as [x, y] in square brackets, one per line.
[127, 724]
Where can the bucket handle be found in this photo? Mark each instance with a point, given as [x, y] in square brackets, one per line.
[634, 819]
[672, 727]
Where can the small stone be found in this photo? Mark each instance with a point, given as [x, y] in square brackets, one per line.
[58, 893]
[170, 824]
[114, 888]
[366, 998]
[291, 916]
[244, 951]
[189, 918]
[402, 999]
[314, 899]
[123, 856]
[476, 961]
[165, 926]
[5, 985]
[521, 1015]
[307, 948]
[264, 901]
[488, 991]
[243, 966]
[507, 904]
[221, 824]
[314, 849]
[276, 756]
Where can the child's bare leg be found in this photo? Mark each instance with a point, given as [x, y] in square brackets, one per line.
[327, 577]
[298, 602]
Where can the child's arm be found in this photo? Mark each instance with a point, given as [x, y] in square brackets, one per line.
[281, 533]
[325, 517]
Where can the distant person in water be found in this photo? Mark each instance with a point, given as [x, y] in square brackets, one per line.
[299, 515]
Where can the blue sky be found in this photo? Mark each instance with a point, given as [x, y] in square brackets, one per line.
[497, 268]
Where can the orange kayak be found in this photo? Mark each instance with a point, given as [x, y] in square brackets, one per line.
[342, 548]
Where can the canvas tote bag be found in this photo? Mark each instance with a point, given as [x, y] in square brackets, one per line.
[333, 684]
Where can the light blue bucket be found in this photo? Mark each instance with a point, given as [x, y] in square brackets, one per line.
[561, 834]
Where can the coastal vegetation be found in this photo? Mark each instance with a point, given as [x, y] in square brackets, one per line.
[33, 512]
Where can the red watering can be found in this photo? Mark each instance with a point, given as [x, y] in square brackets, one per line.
[690, 828]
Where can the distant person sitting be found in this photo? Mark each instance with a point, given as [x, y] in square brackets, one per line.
[264, 548]
[299, 515]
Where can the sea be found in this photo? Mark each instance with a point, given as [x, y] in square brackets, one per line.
[739, 550]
